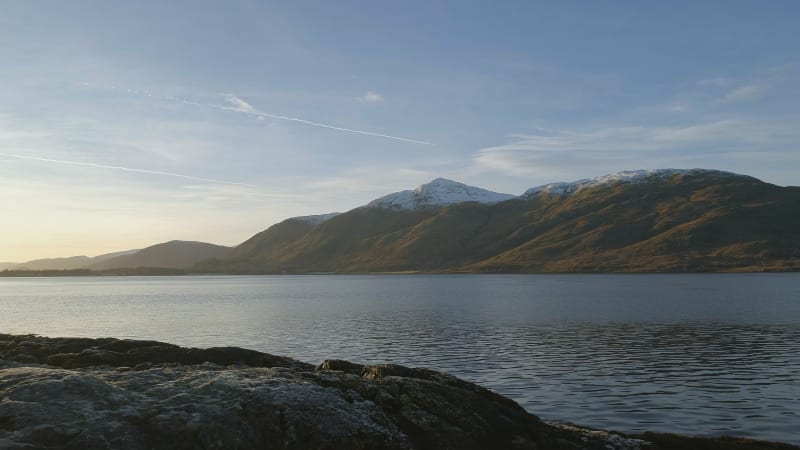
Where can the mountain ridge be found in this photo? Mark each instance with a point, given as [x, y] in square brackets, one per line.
[174, 254]
[662, 220]
[64, 263]
[625, 176]
[636, 220]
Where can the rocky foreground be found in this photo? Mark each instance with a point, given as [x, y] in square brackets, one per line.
[123, 394]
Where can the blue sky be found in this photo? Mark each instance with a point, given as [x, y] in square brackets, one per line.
[509, 95]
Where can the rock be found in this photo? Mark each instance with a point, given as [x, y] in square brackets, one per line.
[107, 394]
[340, 365]
[72, 353]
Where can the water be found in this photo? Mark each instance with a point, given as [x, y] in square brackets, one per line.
[692, 354]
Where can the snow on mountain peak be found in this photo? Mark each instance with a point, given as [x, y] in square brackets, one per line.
[438, 192]
[441, 191]
[628, 176]
[317, 218]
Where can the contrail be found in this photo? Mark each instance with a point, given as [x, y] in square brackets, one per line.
[317, 124]
[125, 169]
[257, 113]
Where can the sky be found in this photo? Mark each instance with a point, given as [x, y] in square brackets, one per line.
[125, 124]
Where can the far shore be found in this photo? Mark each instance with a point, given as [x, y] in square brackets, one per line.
[160, 272]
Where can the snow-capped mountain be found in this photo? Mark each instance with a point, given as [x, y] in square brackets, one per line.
[316, 219]
[628, 176]
[441, 191]
[621, 228]
[438, 192]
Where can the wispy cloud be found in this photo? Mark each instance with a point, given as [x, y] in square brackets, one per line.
[715, 82]
[371, 97]
[748, 92]
[558, 153]
[721, 130]
[240, 105]
[124, 169]
[678, 108]
[12, 131]
[330, 127]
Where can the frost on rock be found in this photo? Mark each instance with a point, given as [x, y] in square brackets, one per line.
[439, 192]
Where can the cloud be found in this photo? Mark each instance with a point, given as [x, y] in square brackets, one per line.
[715, 82]
[240, 105]
[371, 97]
[121, 168]
[679, 108]
[721, 130]
[558, 155]
[308, 122]
[12, 131]
[748, 92]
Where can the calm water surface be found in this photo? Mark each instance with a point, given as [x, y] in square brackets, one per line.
[693, 354]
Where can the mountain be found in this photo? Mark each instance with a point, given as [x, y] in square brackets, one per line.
[7, 265]
[255, 253]
[439, 192]
[663, 220]
[68, 263]
[169, 255]
[172, 255]
[625, 177]
[107, 256]
[316, 219]
[691, 220]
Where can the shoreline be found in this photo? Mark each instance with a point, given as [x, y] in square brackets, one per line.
[131, 394]
[156, 272]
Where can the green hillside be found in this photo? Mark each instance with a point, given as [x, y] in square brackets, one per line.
[703, 221]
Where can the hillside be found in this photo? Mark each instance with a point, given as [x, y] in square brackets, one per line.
[68, 263]
[701, 221]
[666, 220]
[171, 255]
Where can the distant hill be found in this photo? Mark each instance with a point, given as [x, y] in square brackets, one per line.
[170, 255]
[69, 263]
[665, 220]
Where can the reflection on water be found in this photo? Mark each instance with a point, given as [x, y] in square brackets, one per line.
[694, 354]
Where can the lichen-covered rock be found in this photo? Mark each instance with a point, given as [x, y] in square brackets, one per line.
[121, 394]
